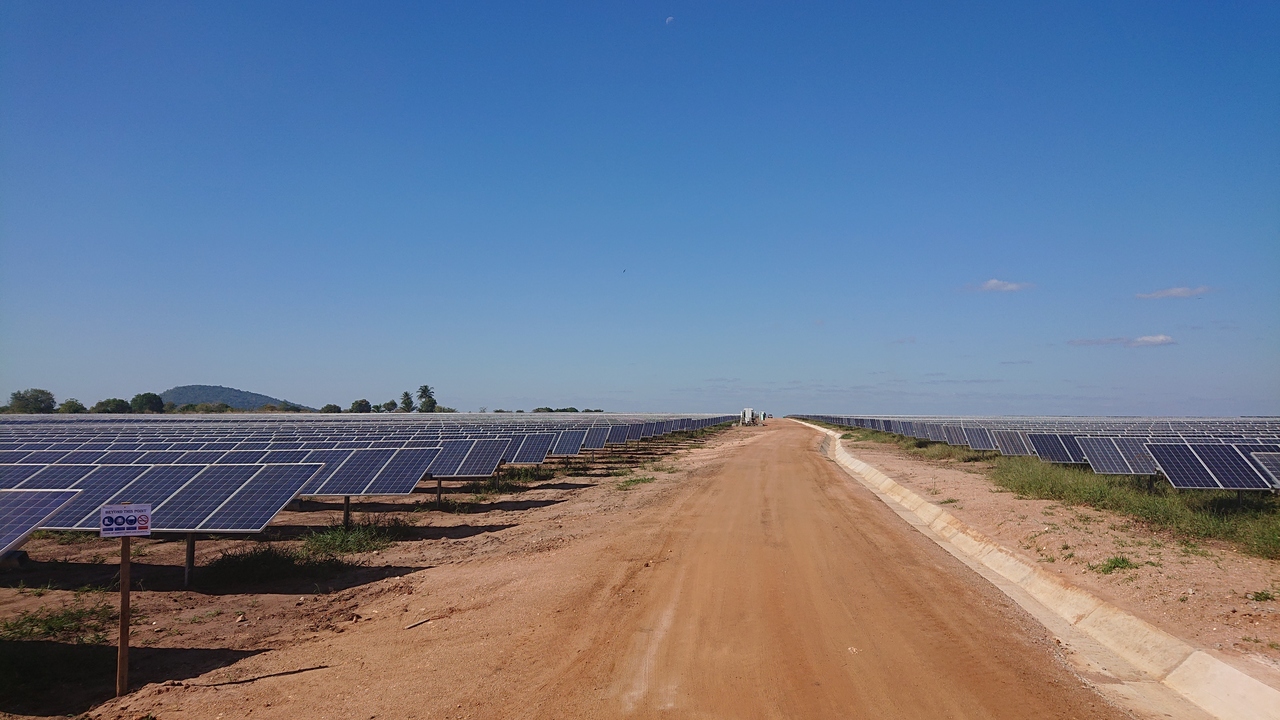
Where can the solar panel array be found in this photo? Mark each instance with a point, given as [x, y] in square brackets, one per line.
[1191, 453]
[234, 473]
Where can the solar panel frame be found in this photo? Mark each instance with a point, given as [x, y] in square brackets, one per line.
[355, 474]
[1049, 448]
[252, 507]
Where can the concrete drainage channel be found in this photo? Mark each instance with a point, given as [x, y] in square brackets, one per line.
[1134, 662]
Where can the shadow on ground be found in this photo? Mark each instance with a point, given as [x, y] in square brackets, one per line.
[39, 677]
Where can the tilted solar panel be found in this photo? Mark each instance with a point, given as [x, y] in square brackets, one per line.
[569, 442]
[22, 511]
[483, 459]
[1009, 442]
[1270, 463]
[356, 473]
[1103, 456]
[1135, 453]
[254, 504]
[94, 489]
[1181, 466]
[1073, 448]
[452, 453]
[1230, 468]
[617, 435]
[535, 449]
[595, 438]
[187, 508]
[401, 475]
[1049, 448]
[979, 438]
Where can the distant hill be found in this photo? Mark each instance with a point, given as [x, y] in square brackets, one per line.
[238, 399]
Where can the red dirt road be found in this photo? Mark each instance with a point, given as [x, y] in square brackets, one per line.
[766, 584]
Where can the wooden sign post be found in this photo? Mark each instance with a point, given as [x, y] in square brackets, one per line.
[124, 521]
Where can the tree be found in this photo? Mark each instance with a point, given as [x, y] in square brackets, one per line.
[406, 402]
[389, 406]
[72, 405]
[361, 406]
[31, 400]
[330, 408]
[147, 403]
[427, 398]
[112, 405]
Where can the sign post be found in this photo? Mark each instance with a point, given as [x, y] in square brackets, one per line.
[124, 521]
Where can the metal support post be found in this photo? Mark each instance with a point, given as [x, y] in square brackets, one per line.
[190, 565]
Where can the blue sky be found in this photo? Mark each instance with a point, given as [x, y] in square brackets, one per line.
[647, 205]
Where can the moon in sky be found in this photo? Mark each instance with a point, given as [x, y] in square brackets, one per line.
[670, 20]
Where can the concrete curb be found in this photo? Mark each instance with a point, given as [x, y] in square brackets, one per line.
[1217, 688]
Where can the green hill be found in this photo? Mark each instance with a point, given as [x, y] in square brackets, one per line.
[238, 399]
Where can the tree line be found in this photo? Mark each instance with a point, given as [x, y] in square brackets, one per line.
[426, 403]
[37, 400]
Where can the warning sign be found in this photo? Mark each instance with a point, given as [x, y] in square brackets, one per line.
[124, 520]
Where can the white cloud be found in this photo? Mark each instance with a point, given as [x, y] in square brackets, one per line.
[1175, 292]
[1144, 341]
[1147, 340]
[994, 285]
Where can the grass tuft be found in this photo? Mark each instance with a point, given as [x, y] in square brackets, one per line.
[634, 481]
[366, 536]
[1114, 563]
[79, 623]
[263, 563]
[1261, 596]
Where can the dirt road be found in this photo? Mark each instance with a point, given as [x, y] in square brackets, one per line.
[765, 585]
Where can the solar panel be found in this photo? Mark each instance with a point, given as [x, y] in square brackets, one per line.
[979, 439]
[330, 460]
[402, 474]
[1103, 456]
[954, 435]
[187, 508]
[1230, 468]
[1049, 448]
[569, 442]
[1135, 453]
[483, 459]
[595, 438]
[94, 489]
[1270, 462]
[617, 435]
[1073, 448]
[22, 511]
[452, 453]
[1009, 442]
[535, 448]
[54, 477]
[260, 499]
[356, 473]
[1181, 466]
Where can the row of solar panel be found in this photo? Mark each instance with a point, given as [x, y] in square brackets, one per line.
[238, 489]
[1189, 465]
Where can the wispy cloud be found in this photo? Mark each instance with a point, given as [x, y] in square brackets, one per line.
[994, 285]
[1176, 292]
[1015, 362]
[1144, 341]
[1147, 340]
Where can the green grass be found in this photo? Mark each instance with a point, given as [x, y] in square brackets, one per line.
[1114, 563]
[634, 481]
[263, 563]
[1194, 515]
[365, 536]
[1261, 596]
[63, 537]
[80, 623]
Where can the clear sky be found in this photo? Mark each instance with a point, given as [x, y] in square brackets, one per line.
[802, 207]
